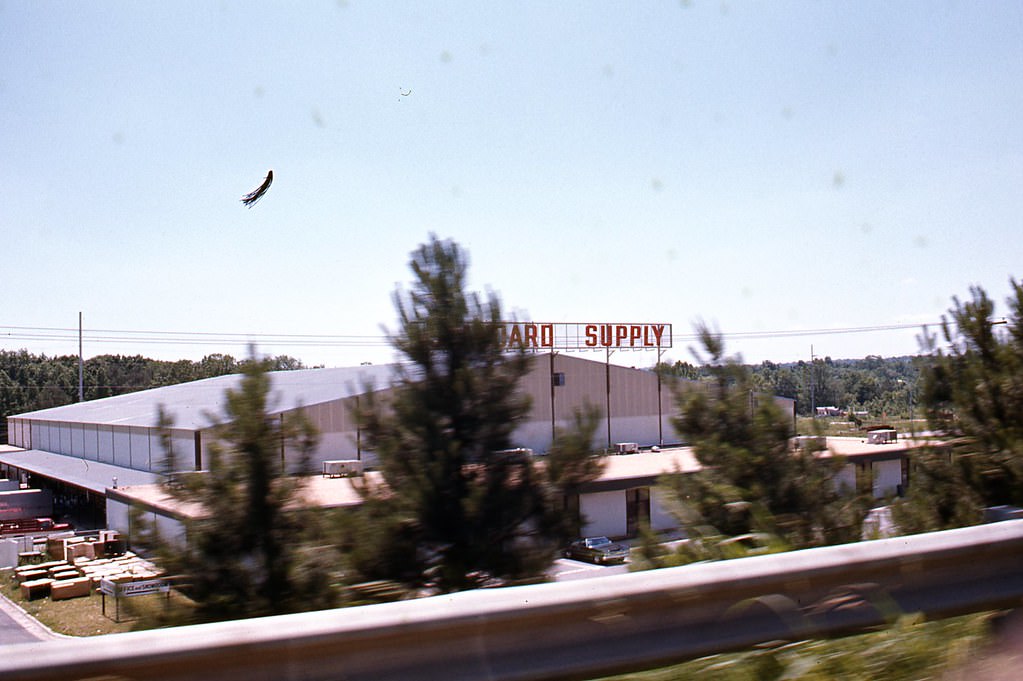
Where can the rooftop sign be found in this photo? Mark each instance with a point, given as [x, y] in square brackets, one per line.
[585, 336]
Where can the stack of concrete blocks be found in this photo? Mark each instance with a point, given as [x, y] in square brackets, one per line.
[70, 587]
[36, 580]
[126, 568]
[26, 573]
[77, 548]
[80, 564]
[67, 582]
[36, 588]
[71, 548]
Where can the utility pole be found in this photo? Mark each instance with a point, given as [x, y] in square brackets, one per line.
[660, 416]
[813, 385]
[554, 383]
[607, 384]
[81, 362]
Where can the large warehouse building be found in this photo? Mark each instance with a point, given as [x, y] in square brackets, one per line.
[92, 451]
[102, 457]
[124, 432]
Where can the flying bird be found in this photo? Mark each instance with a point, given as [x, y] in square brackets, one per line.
[255, 195]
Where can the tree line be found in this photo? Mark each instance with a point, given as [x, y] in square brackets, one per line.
[880, 386]
[29, 382]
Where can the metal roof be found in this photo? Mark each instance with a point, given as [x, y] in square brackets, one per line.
[91, 475]
[196, 404]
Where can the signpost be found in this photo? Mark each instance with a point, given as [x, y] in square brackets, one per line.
[121, 590]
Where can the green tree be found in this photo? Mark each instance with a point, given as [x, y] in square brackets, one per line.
[940, 494]
[972, 393]
[751, 479]
[571, 462]
[473, 507]
[244, 553]
[679, 369]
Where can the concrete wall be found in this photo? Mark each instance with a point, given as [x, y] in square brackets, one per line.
[603, 514]
[9, 550]
[846, 478]
[884, 476]
[660, 518]
[887, 477]
[118, 517]
[133, 525]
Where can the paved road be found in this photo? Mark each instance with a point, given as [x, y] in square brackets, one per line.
[17, 627]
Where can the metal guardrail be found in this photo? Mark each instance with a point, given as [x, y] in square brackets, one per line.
[573, 629]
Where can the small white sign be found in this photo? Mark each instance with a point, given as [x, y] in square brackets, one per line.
[128, 589]
[150, 586]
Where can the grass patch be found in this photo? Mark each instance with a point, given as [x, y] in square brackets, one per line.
[836, 426]
[911, 649]
[84, 616]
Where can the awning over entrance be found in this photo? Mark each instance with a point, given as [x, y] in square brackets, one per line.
[72, 470]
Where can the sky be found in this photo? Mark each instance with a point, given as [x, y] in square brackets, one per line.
[779, 170]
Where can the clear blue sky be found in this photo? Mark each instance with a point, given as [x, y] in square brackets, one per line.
[763, 166]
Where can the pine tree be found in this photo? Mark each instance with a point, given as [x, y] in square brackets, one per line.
[571, 462]
[751, 478]
[973, 396]
[243, 554]
[472, 507]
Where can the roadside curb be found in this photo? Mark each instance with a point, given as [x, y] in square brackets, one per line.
[27, 622]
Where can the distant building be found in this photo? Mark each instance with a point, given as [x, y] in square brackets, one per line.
[882, 465]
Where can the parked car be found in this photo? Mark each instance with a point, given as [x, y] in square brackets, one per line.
[599, 550]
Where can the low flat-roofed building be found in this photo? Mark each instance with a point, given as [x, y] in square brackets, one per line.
[885, 466]
[623, 497]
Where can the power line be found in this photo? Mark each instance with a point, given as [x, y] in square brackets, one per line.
[795, 333]
[151, 337]
[41, 333]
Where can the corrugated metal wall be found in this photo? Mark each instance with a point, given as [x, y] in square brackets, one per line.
[632, 404]
[629, 396]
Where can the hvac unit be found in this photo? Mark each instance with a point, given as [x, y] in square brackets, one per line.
[342, 468]
[810, 442]
[881, 436]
